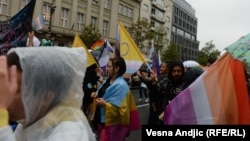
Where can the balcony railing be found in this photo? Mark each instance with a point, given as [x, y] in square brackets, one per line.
[158, 6]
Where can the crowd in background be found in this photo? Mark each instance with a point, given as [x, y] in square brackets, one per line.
[33, 41]
[46, 98]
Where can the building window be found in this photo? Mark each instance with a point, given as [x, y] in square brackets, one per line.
[3, 6]
[64, 17]
[23, 3]
[130, 12]
[176, 20]
[125, 10]
[79, 23]
[120, 8]
[153, 11]
[173, 29]
[158, 13]
[157, 24]
[93, 21]
[180, 32]
[187, 35]
[105, 28]
[106, 4]
[95, 1]
[46, 11]
[152, 23]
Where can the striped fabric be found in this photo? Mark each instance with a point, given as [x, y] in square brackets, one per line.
[120, 115]
[103, 59]
[129, 51]
[98, 44]
[39, 22]
[218, 96]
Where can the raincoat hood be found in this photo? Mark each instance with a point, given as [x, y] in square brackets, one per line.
[50, 76]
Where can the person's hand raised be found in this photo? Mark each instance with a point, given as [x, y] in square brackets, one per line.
[8, 83]
[99, 71]
[153, 75]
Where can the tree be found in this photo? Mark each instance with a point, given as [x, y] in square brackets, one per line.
[170, 53]
[160, 38]
[140, 31]
[90, 35]
[209, 51]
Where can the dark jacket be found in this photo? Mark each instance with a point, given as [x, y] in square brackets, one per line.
[158, 98]
[89, 84]
[191, 75]
[174, 87]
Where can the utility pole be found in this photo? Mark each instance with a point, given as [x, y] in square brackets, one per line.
[138, 24]
[52, 10]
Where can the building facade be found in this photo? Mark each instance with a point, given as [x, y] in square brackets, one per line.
[184, 30]
[70, 16]
[175, 17]
[159, 14]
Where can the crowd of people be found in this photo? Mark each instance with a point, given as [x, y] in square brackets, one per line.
[56, 96]
[33, 41]
[172, 79]
[51, 98]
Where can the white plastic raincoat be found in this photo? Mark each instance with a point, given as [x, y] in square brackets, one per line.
[56, 73]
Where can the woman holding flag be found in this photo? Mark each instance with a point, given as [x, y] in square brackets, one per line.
[116, 114]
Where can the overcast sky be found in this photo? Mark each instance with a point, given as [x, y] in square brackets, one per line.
[223, 21]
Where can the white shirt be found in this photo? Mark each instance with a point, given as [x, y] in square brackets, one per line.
[36, 41]
[143, 85]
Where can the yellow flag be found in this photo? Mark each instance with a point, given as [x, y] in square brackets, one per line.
[79, 43]
[129, 51]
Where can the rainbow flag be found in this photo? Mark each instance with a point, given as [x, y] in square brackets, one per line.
[98, 44]
[120, 115]
[79, 43]
[104, 57]
[218, 96]
[129, 51]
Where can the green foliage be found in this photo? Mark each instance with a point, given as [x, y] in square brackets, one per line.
[171, 53]
[160, 37]
[209, 51]
[140, 31]
[90, 35]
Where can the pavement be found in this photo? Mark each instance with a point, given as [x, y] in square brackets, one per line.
[143, 110]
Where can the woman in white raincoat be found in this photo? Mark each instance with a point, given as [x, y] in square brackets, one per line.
[47, 100]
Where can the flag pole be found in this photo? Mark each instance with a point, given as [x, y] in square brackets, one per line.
[102, 49]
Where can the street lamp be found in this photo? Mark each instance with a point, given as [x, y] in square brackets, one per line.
[138, 22]
[52, 10]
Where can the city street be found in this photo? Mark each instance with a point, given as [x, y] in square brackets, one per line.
[143, 114]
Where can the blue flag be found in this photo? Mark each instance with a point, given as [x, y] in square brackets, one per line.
[13, 32]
